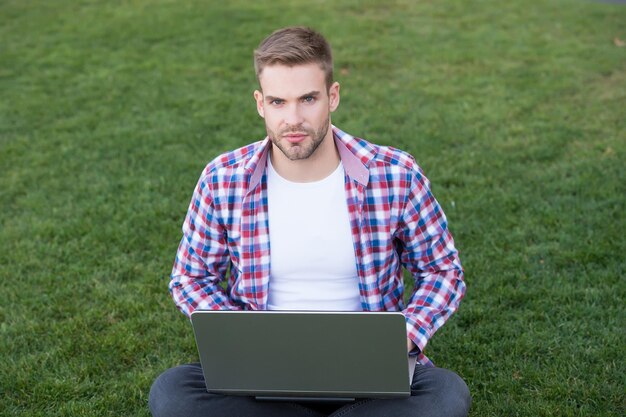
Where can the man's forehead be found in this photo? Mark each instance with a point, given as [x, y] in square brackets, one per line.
[279, 80]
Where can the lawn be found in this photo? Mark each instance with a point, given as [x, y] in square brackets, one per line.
[109, 110]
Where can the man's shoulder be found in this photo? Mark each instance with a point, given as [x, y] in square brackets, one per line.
[236, 160]
[388, 155]
[375, 155]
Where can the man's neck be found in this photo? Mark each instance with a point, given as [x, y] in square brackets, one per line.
[314, 168]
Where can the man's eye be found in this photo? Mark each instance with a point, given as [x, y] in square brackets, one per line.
[276, 102]
[309, 99]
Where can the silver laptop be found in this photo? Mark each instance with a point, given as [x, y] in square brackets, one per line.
[308, 356]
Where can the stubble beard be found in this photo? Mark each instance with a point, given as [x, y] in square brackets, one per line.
[298, 151]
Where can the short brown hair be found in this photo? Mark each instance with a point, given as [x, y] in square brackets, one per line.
[296, 45]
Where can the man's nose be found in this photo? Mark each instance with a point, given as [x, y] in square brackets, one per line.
[293, 115]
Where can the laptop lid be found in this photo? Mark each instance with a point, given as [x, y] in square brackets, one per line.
[307, 355]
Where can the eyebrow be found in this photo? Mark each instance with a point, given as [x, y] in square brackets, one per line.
[309, 94]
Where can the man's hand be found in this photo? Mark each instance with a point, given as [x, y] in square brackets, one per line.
[409, 345]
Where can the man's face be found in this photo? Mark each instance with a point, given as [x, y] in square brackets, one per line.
[296, 106]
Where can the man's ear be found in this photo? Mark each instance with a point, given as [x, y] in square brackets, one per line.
[258, 97]
[333, 96]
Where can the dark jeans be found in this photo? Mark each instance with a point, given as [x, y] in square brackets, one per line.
[181, 391]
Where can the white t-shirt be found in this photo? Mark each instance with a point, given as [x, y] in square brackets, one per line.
[312, 260]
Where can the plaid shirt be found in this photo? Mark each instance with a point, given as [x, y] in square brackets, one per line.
[394, 218]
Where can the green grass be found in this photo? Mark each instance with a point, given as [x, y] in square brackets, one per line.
[110, 109]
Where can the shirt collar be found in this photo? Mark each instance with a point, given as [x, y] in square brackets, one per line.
[355, 155]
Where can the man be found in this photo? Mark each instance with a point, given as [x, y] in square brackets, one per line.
[343, 217]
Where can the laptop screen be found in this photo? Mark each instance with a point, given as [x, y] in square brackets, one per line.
[280, 354]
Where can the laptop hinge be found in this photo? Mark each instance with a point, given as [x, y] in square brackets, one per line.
[307, 399]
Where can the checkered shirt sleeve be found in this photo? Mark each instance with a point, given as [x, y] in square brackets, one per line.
[429, 254]
[202, 259]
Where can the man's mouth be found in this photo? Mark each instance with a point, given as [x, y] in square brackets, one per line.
[295, 137]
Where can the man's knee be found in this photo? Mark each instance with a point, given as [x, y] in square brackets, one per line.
[456, 396]
[165, 393]
[441, 392]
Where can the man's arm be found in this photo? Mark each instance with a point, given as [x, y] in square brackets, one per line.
[202, 259]
[409, 345]
[428, 252]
